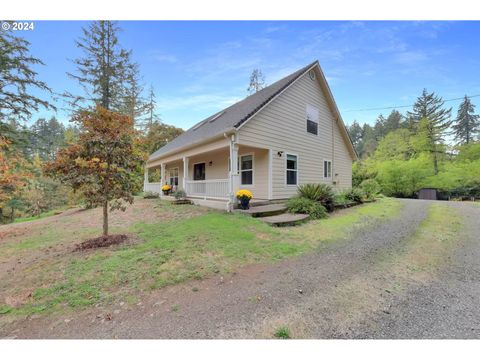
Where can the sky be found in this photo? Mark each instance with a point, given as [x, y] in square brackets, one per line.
[198, 68]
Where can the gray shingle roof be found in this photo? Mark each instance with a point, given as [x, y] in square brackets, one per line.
[231, 117]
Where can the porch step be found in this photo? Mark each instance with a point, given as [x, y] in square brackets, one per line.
[265, 210]
[286, 219]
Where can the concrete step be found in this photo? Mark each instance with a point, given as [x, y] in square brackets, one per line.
[286, 219]
[265, 210]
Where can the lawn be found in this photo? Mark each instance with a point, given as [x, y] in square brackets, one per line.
[171, 244]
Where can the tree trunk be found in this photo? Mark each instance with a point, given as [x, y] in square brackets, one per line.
[105, 218]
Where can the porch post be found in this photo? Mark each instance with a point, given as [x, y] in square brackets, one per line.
[162, 178]
[234, 179]
[185, 174]
[145, 178]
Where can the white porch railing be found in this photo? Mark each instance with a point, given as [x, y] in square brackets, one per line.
[152, 187]
[214, 189]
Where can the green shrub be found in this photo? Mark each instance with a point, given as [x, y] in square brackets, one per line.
[179, 194]
[340, 199]
[150, 195]
[318, 192]
[370, 188]
[354, 194]
[301, 205]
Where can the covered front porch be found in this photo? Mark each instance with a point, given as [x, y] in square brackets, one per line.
[207, 175]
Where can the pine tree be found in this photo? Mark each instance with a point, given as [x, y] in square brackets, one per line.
[257, 81]
[355, 132]
[103, 70]
[17, 78]
[429, 117]
[467, 124]
[151, 107]
[393, 121]
[428, 106]
[134, 105]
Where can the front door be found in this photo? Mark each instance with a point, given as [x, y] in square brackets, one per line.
[199, 171]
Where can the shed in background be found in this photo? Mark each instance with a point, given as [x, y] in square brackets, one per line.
[428, 194]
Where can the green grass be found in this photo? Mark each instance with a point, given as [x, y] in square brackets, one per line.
[176, 251]
[42, 215]
[282, 333]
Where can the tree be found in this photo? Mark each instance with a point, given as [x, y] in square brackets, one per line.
[104, 164]
[152, 117]
[48, 137]
[355, 132]
[134, 104]
[103, 70]
[429, 106]
[393, 121]
[17, 78]
[257, 81]
[13, 174]
[467, 123]
[158, 135]
[430, 119]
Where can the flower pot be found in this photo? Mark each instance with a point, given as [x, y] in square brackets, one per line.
[244, 203]
[166, 192]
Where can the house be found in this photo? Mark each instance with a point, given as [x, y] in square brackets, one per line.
[286, 134]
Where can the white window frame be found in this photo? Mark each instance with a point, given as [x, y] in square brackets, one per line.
[170, 177]
[331, 169]
[317, 120]
[240, 170]
[297, 169]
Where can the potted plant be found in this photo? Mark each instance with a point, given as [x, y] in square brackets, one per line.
[166, 189]
[244, 197]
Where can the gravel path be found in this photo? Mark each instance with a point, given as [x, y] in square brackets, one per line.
[329, 293]
[447, 307]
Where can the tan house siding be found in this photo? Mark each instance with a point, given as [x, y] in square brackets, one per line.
[260, 171]
[281, 126]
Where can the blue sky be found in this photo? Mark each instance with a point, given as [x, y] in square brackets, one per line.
[198, 68]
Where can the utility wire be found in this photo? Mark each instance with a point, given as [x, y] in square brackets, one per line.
[405, 106]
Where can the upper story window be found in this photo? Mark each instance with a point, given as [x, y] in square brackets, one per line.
[312, 116]
[292, 169]
[246, 169]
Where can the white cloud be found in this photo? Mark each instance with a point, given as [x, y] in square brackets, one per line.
[162, 57]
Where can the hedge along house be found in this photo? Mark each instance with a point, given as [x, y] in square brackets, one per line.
[287, 134]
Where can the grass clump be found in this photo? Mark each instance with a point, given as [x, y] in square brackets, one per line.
[301, 205]
[282, 333]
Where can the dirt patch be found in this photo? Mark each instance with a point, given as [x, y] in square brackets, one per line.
[101, 241]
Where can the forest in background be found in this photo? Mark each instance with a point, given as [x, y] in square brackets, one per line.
[108, 77]
[427, 146]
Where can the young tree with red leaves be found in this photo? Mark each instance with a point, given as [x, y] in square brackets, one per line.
[104, 164]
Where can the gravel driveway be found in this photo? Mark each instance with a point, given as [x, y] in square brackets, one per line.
[337, 291]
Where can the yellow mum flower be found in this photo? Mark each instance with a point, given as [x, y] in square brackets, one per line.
[244, 194]
[166, 187]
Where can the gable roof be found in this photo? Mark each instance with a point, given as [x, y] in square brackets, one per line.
[234, 116]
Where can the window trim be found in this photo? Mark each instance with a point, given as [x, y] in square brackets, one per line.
[331, 169]
[317, 121]
[297, 169]
[252, 154]
[178, 175]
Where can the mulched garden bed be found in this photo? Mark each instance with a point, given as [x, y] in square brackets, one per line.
[100, 242]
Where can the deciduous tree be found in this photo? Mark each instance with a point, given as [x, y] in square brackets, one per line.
[104, 164]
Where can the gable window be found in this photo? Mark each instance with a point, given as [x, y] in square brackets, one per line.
[327, 169]
[246, 169]
[292, 170]
[312, 119]
[173, 177]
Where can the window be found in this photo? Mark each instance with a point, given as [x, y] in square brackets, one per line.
[327, 169]
[173, 177]
[199, 171]
[246, 169]
[312, 120]
[292, 169]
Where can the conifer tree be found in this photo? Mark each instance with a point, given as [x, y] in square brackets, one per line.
[466, 124]
[257, 81]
